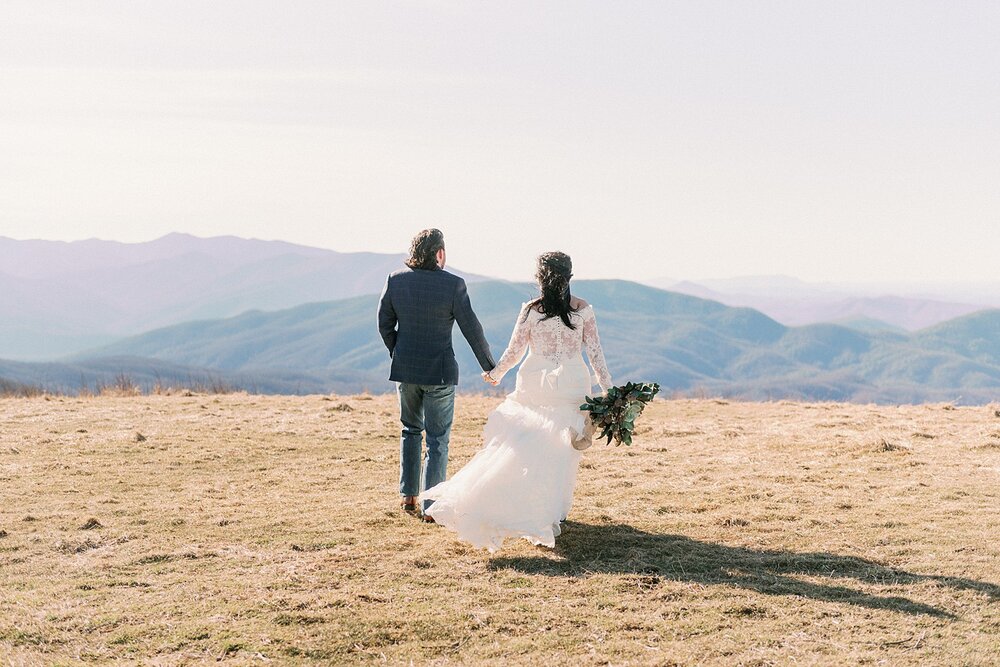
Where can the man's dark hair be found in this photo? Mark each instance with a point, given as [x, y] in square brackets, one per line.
[423, 249]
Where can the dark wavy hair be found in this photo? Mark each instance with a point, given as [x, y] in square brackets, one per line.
[424, 248]
[553, 274]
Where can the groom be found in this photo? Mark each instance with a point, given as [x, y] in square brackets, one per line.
[418, 308]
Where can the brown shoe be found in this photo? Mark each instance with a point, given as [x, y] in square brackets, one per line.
[409, 504]
[428, 518]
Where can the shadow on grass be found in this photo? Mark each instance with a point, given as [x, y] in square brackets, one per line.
[587, 549]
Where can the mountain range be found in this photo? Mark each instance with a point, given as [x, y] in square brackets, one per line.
[276, 317]
[691, 346]
[58, 298]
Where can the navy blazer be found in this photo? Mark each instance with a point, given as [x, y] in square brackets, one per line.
[416, 314]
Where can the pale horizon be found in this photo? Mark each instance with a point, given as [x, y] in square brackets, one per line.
[845, 143]
[926, 288]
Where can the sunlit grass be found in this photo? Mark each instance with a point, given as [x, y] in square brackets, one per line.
[185, 529]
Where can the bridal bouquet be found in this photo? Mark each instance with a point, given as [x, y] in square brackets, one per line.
[615, 412]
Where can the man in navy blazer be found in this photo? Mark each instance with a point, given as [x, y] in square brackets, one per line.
[416, 313]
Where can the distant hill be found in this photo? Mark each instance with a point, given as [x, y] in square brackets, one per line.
[868, 324]
[975, 336]
[690, 345]
[794, 303]
[58, 298]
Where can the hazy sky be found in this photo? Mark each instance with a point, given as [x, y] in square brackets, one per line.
[826, 140]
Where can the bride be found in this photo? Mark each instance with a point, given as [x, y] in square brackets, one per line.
[520, 484]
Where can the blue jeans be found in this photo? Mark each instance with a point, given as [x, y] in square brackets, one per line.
[430, 408]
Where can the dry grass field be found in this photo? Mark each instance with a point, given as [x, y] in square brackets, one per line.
[246, 529]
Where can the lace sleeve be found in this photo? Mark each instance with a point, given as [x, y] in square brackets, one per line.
[592, 344]
[516, 347]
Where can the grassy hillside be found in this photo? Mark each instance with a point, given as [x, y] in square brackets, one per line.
[246, 529]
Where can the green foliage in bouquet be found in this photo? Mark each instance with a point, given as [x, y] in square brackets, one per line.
[614, 414]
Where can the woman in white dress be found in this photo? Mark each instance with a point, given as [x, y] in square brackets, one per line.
[520, 484]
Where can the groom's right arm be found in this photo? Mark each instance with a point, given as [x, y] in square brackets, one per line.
[387, 319]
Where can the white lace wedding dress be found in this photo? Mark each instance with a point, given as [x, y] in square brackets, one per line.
[520, 484]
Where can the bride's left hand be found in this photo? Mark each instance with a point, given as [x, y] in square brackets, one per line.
[489, 380]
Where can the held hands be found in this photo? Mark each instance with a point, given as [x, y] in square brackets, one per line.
[488, 379]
